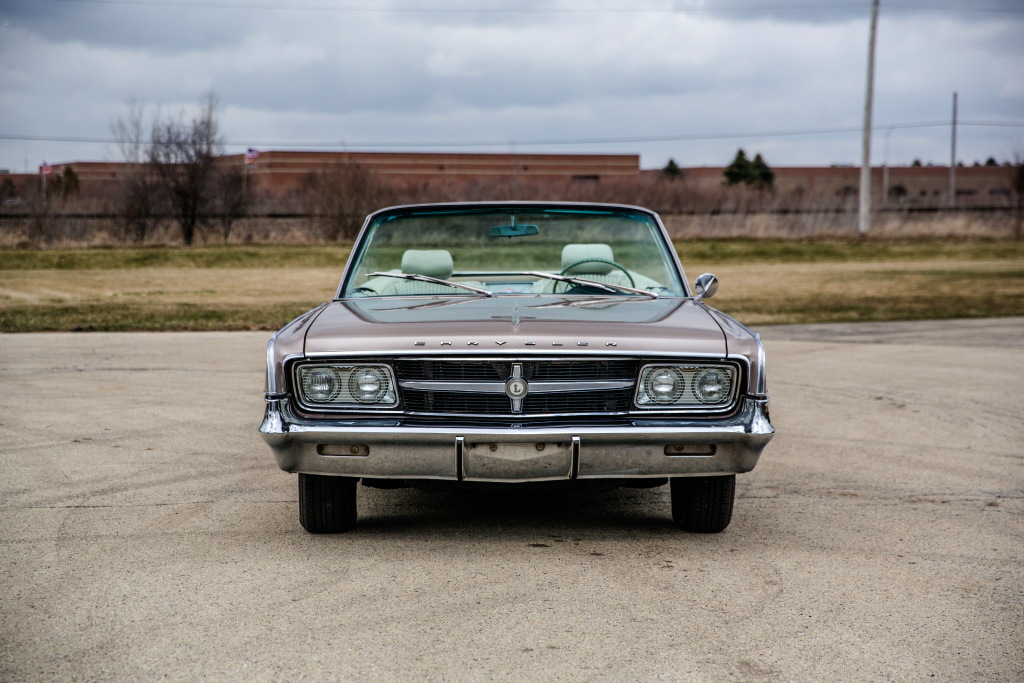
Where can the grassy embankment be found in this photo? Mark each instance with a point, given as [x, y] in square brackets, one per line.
[262, 287]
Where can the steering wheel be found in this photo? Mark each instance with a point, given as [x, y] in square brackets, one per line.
[599, 260]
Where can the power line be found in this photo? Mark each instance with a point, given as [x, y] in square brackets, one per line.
[248, 6]
[539, 142]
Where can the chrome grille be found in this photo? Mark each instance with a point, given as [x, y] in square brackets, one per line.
[456, 402]
[580, 370]
[499, 371]
[613, 401]
[557, 385]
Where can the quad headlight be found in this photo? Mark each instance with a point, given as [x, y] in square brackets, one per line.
[664, 385]
[685, 386]
[346, 385]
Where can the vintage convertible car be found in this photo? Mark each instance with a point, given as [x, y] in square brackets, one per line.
[516, 344]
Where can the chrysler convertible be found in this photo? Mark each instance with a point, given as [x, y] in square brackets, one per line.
[555, 346]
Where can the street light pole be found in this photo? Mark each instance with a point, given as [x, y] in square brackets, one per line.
[864, 222]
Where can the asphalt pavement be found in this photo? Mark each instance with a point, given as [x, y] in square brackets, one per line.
[146, 532]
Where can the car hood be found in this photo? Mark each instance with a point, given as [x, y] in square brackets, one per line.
[504, 324]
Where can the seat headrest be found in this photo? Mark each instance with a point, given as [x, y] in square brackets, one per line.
[430, 262]
[574, 253]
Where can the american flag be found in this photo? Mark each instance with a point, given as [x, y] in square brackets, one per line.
[47, 169]
[252, 155]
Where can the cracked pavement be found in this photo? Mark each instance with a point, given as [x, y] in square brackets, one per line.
[147, 533]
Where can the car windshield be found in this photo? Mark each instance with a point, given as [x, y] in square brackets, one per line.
[483, 251]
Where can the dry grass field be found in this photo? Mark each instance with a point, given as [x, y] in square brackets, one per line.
[261, 288]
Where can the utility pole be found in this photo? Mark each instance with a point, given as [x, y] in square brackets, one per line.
[885, 169]
[864, 222]
[952, 160]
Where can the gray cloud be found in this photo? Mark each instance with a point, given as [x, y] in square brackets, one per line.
[67, 68]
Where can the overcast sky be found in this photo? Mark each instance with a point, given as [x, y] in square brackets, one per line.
[691, 80]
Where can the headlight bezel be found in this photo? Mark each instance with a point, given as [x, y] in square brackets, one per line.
[346, 396]
[687, 398]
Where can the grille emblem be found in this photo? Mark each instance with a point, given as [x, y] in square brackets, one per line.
[516, 387]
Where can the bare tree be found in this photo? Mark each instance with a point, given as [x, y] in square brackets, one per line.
[1017, 186]
[338, 199]
[182, 155]
[230, 198]
[41, 230]
[139, 190]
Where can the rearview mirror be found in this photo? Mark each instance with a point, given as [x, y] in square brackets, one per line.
[514, 230]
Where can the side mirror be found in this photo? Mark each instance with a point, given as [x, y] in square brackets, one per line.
[705, 286]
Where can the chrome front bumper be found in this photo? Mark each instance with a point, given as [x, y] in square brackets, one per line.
[388, 450]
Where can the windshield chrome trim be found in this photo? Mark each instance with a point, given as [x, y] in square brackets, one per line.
[672, 256]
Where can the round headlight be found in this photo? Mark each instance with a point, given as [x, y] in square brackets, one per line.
[711, 385]
[665, 385]
[321, 384]
[368, 385]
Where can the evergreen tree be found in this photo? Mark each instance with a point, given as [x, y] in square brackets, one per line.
[739, 170]
[754, 173]
[672, 170]
[761, 176]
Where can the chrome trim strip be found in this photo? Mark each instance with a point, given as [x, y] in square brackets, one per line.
[271, 388]
[762, 373]
[272, 379]
[514, 354]
[545, 387]
[575, 471]
[460, 457]
[467, 387]
[553, 356]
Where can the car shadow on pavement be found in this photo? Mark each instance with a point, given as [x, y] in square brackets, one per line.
[407, 510]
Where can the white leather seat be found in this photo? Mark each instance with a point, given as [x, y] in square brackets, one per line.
[436, 263]
[592, 261]
[576, 259]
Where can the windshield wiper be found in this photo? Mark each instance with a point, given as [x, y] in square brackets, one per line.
[433, 280]
[608, 287]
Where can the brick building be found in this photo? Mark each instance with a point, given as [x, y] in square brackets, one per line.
[279, 172]
[282, 173]
[923, 185]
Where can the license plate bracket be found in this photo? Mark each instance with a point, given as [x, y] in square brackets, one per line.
[516, 461]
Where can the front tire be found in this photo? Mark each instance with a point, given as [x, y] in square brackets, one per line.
[327, 505]
[703, 505]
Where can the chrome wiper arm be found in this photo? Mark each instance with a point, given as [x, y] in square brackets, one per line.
[433, 280]
[571, 280]
[608, 287]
